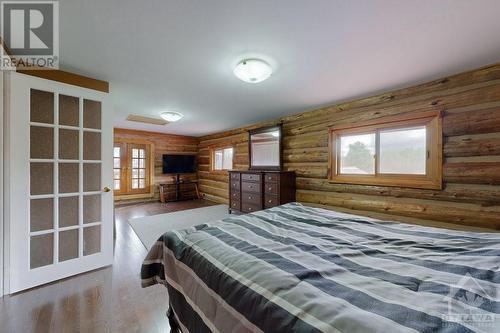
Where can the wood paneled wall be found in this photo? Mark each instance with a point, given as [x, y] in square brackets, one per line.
[471, 195]
[162, 144]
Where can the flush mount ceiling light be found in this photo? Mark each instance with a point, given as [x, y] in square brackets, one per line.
[253, 70]
[171, 116]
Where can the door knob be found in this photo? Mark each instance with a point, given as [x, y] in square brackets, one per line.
[106, 189]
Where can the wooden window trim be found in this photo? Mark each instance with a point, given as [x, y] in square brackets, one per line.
[433, 179]
[212, 158]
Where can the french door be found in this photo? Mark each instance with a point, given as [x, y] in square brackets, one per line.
[60, 163]
[132, 167]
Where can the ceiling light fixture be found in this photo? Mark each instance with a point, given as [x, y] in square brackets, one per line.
[171, 116]
[253, 70]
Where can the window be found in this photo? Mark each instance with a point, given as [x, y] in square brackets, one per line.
[132, 168]
[403, 151]
[138, 168]
[222, 158]
[117, 168]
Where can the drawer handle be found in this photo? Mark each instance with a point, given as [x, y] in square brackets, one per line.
[270, 188]
[250, 198]
[249, 208]
[250, 186]
[269, 178]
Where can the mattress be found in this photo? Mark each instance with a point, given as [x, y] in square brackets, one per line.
[295, 268]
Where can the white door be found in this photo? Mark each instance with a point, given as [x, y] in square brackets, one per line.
[59, 162]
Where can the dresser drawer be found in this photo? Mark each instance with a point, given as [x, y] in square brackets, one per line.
[235, 195]
[235, 204]
[250, 187]
[250, 177]
[271, 201]
[271, 177]
[249, 208]
[271, 188]
[251, 198]
[235, 184]
[235, 176]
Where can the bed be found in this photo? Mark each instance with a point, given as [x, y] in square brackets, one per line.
[295, 268]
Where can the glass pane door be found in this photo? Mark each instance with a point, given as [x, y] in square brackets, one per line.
[60, 215]
[65, 177]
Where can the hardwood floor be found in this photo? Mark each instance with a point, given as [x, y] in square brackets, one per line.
[106, 300]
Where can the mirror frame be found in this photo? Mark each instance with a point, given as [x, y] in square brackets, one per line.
[265, 130]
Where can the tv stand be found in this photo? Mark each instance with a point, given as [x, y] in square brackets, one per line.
[177, 183]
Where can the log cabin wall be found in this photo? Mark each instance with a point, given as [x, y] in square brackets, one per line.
[471, 127]
[161, 144]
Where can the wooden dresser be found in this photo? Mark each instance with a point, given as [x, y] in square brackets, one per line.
[250, 191]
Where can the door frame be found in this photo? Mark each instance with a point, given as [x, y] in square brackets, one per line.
[102, 259]
[123, 195]
[2, 250]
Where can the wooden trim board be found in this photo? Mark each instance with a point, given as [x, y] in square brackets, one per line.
[69, 78]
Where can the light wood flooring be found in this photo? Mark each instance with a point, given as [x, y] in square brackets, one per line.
[106, 300]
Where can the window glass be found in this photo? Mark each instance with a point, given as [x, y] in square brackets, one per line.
[223, 159]
[228, 159]
[403, 151]
[357, 154]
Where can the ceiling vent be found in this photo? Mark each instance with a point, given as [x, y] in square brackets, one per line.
[146, 120]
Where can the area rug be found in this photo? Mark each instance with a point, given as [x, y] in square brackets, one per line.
[150, 228]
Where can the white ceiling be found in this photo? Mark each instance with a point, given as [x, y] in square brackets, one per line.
[178, 55]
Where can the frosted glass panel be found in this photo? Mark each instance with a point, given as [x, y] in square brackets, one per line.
[91, 146]
[41, 106]
[68, 245]
[41, 214]
[68, 144]
[68, 177]
[68, 211]
[91, 177]
[41, 142]
[403, 151]
[41, 178]
[91, 208]
[357, 154]
[91, 240]
[68, 110]
[41, 250]
[91, 114]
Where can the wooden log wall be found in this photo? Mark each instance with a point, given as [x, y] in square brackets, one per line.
[162, 144]
[471, 196]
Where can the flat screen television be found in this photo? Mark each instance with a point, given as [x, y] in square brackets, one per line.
[179, 163]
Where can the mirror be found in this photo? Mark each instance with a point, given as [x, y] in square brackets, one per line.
[264, 145]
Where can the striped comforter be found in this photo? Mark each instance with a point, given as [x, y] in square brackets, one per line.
[300, 269]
